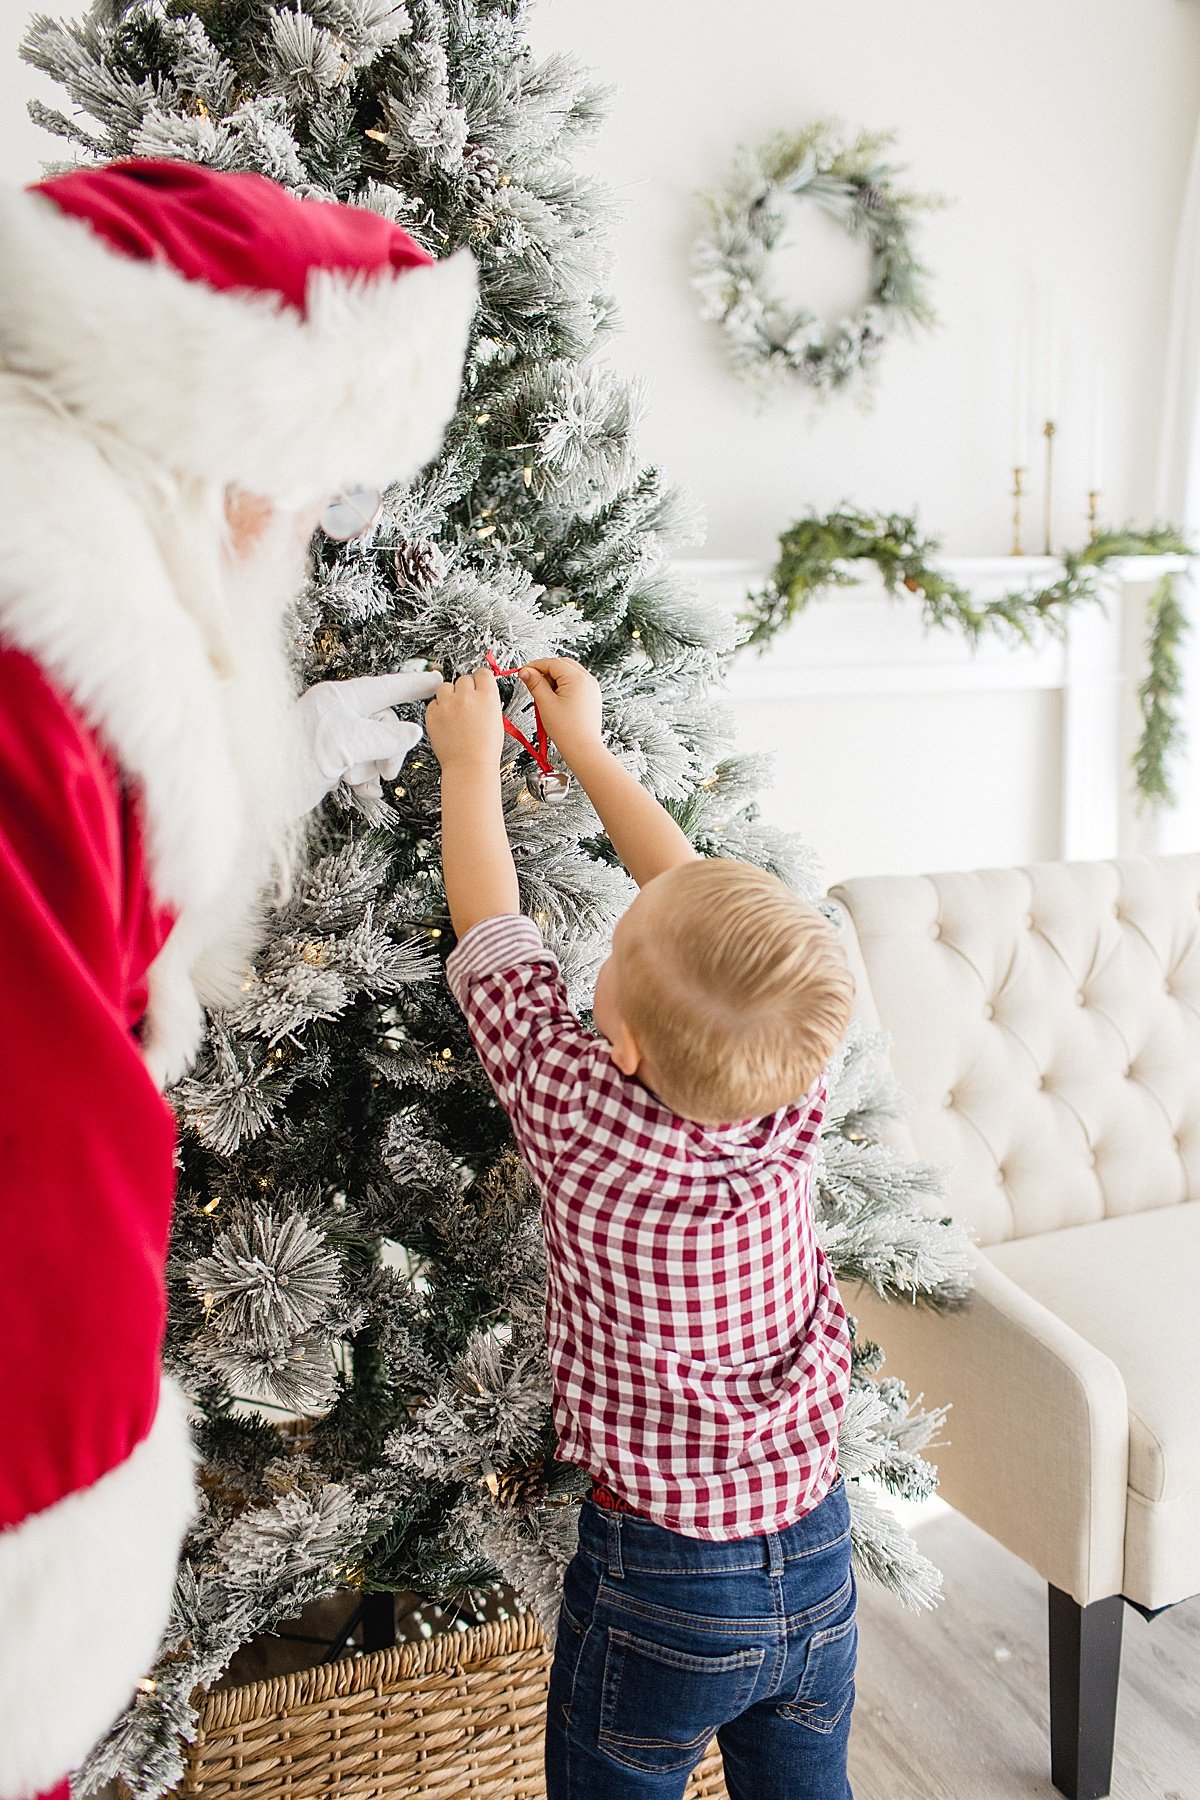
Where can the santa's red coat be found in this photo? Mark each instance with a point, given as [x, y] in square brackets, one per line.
[86, 1139]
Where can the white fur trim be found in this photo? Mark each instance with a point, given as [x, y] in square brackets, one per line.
[235, 386]
[85, 1594]
[85, 592]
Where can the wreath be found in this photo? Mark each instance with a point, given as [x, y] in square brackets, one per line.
[772, 338]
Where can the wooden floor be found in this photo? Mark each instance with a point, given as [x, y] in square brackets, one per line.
[952, 1705]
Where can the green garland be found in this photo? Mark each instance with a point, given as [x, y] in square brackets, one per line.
[1160, 695]
[814, 552]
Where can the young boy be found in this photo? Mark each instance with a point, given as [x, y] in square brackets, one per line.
[698, 1349]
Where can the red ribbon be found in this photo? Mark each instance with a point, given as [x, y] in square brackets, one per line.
[540, 751]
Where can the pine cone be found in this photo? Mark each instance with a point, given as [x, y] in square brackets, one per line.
[871, 197]
[522, 1486]
[419, 565]
[481, 171]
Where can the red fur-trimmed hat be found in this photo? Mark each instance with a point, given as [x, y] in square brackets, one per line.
[230, 330]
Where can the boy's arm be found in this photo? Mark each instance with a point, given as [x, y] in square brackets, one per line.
[464, 723]
[534, 1051]
[643, 833]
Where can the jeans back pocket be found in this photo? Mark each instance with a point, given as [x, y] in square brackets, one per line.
[660, 1706]
[827, 1685]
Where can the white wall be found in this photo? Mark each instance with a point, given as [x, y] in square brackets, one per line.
[1062, 131]
[24, 147]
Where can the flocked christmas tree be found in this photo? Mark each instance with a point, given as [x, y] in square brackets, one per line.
[357, 1271]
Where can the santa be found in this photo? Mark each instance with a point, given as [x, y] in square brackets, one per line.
[194, 366]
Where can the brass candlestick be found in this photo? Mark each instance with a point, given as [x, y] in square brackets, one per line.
[1093, 514]
[1018, 494]
[1048, 431]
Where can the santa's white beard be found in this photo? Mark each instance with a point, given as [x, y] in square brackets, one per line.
[240, 598]
[260, 588]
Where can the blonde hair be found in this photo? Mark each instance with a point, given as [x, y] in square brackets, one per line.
[737, 991]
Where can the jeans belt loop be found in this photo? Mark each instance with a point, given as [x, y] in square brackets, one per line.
[615, 1566]
[774, 1554]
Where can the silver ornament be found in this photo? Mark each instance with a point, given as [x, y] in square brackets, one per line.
[351, 514]
[550, 785]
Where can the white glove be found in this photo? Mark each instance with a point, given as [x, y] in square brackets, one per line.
[348, 732]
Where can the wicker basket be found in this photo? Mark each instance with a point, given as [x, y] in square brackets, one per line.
[457, 1716]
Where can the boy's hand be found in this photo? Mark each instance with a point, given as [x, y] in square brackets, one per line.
[569, 701]
[465, 722]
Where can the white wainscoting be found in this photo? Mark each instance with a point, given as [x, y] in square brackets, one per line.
[897, 749]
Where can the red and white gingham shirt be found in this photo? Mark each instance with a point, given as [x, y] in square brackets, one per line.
[699, 1352]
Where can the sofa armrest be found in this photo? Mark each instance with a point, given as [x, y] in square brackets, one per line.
[1037, 1443]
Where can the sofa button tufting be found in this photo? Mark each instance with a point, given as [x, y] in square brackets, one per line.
[1041, 1083]
[1092, 1159]
[935, 931]
[1029, 921]
[1001, 1178]
[1081, 998]
[949, 1100]
[989, 1011]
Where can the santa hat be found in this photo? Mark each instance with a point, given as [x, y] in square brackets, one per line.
[213, 325]
[231, 331]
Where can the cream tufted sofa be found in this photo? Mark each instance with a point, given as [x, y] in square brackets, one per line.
[1045, 1026]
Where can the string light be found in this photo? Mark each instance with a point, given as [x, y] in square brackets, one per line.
[147, 1685]
[484, 418]
[436, 932]
[380, 137]
[447, 1054]
[211, 1207]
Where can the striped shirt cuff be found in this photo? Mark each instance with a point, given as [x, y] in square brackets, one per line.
[490, 948]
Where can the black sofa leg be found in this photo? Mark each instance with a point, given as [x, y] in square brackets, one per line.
[1085, 1668]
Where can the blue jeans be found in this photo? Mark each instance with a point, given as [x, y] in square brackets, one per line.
[664, 1640]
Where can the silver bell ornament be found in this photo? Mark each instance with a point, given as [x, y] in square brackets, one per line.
[351, 514]
[550, 785]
